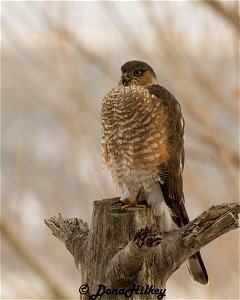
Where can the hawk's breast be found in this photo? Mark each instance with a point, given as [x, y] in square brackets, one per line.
[134, 135]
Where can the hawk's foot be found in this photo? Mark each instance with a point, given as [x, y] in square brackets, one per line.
[134, 203]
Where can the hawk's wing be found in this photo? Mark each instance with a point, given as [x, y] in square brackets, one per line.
[172, 185]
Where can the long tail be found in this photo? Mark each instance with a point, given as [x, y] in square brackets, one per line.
[169, 212]
[197, 269]
[195, 263]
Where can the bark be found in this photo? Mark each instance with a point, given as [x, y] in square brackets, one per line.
[124, 247]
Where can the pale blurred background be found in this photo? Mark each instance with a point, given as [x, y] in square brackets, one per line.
[58, 61]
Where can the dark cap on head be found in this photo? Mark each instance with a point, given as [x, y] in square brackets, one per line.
[136, 65]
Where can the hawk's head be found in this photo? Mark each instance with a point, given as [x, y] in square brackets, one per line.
[137, 72]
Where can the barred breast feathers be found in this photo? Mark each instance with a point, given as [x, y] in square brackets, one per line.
[134, 138]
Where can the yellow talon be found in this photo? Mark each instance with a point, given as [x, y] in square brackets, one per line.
[133, 203]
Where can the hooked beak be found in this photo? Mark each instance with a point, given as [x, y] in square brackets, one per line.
[125, 78]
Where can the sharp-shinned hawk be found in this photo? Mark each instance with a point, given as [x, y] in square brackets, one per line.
[143, 147]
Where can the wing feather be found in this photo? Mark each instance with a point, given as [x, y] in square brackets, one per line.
[172, 184]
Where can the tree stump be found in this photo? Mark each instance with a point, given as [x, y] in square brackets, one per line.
[124, 253]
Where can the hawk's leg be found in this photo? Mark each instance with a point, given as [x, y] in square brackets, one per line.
[127, 195]
[134, 202]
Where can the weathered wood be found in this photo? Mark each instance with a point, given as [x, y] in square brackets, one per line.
[73, 233]
[124, 248]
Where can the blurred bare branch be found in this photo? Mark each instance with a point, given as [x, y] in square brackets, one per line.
[231, 15]
[29, 259]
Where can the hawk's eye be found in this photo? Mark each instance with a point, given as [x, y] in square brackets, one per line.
[138, 72]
